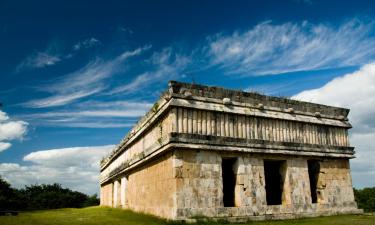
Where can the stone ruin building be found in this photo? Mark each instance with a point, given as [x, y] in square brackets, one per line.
[211, 152]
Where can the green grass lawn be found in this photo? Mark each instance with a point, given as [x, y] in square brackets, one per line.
[101, 215]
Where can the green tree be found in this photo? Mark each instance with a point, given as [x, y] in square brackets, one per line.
[91, 200]
[52, 196]
[44, 196]
[9, 197]
[365, 199]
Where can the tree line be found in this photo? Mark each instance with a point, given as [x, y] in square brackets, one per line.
[43, 196]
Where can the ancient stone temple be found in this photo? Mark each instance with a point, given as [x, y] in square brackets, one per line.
[211, 152]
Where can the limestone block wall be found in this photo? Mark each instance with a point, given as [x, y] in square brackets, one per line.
[198, 177]
[297, 186]
[335, 184]
[199, 190]
[250, 184]
[106, 194]
[151, 189]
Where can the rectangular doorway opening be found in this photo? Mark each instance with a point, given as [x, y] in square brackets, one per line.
[314, 168]
[274, 172]
[229, 181]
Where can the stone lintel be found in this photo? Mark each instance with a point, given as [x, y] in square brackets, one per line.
[263, 145]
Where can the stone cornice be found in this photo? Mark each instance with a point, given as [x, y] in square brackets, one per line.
[249, 110]
[255, 99]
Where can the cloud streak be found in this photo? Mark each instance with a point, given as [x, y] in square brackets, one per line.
[53, 55]
[92, 114]
[88, 43]
[166, 64]
[84, 82]
[39, 60]
[269, 48]
[62, 98]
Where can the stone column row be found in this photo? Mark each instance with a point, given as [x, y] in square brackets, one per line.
[204, 122]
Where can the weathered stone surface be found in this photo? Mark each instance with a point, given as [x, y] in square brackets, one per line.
[170, 163]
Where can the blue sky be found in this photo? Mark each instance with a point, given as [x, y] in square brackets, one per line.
[76, 75]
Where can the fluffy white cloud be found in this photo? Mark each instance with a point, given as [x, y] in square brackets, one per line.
[10, 130]
[355, 91]
[272, 49]
[76, 168]
[3, 116]
[4, 146]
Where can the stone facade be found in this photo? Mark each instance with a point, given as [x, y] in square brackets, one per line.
[211, 152]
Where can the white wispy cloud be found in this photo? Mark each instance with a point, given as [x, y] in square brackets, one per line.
[53, 54]
[92, 114]
[103, 124]
[84, 82]
[355, 91]
[270, 48]
[62, 98]
[39, 60]
[76, 168]
[126, 30]
[87, 43]
[166, 64]
[10, 130]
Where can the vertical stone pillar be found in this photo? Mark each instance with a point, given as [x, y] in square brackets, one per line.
[124, 182]
[101, 199]
[109, 194]
[116, 197]
[174, 123]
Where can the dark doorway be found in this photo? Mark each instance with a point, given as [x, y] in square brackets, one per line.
[275, 175]
[229, 181]
[314, 168]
